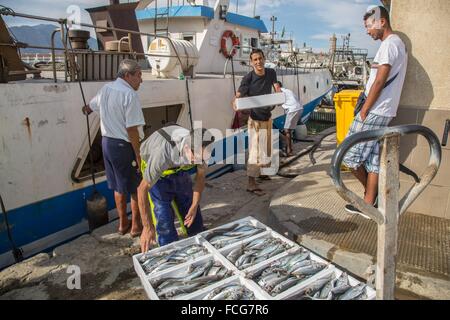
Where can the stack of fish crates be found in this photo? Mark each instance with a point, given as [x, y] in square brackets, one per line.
[205, 250]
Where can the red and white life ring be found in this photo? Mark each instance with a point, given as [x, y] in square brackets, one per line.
[223, 44]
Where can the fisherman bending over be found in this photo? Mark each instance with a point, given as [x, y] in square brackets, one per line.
[167, 157]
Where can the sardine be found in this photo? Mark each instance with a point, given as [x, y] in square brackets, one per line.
[308, 270]
[283, 286]
[235, 254]
[353, 292]
[325, 292]
[341, 285]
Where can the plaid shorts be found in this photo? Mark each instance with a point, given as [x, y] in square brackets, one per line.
[367, 153]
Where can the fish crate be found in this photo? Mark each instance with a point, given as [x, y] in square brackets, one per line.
[301, 285]
[181, 273]
[168, 248]
[233, 274]
[369, 291]
[234, 280]
[270, 234]
[298, 293]
[248, 220]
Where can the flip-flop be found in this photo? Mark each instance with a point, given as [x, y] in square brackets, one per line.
[264, 178]
[257, 191]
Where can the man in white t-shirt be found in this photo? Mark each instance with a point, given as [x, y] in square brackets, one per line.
[293, 109]
[121, 117]
[382, 93]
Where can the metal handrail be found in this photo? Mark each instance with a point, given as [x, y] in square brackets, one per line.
[379, 134]
[390, 207]
[63, 22]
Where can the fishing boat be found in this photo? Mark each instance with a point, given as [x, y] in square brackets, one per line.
[44, 171]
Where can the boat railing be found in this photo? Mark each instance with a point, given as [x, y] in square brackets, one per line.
[390, 206]
[65, 24]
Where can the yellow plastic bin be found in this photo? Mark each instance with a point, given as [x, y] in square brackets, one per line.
[344, 103]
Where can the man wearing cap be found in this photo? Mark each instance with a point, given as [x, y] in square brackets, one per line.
[168, 156]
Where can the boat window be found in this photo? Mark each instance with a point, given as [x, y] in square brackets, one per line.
[317, 84]
[304, 89]
[246, 46]
[189, 37]
[328, 82]
[254, 42]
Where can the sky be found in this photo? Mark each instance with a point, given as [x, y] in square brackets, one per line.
[309, 21]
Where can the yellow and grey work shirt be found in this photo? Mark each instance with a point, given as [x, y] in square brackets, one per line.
[159, 154]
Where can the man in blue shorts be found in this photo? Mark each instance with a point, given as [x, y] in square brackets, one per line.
[120, 117]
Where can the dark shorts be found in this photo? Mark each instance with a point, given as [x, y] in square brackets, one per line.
[119, 158]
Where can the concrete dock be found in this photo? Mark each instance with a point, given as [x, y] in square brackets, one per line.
[308, 210]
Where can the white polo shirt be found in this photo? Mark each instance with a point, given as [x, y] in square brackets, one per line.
[292, 103]
[119, 107]
[392, 51]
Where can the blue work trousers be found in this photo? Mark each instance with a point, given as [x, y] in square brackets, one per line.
[178, 187]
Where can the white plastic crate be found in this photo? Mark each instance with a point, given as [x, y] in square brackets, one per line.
[236, 275]
[181, 270]
[199, 295]
[267, 234]
[299, 286]
[250, 220]
[335, 273]
[175, 245]
[264, 100]
[370, 292]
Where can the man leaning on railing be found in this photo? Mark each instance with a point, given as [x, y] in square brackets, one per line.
[378, 104]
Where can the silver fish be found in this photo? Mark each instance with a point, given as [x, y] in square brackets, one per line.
[235, 254]
[177, 289]
[353, 292]
[308, 270]
[273, 282]
[283, 286]
[325, 292]
[341, 285]
[230, 293]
